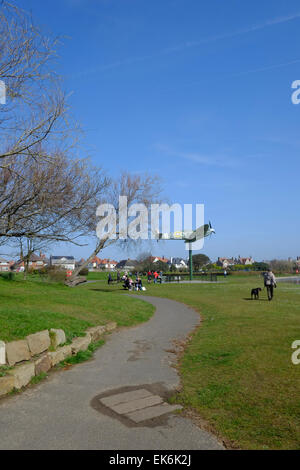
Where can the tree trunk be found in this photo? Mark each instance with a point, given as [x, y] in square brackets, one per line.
[71, 281]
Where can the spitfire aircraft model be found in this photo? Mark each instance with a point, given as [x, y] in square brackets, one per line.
[189, 236]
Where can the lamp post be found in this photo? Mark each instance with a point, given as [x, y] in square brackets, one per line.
[191, 261]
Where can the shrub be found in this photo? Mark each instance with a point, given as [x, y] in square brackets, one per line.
[56, 275]
[84, 272]
[10, 276]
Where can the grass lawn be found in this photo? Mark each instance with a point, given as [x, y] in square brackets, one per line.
[30, 306]
[237, 371]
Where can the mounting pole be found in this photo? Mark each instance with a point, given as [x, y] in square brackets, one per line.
[191, 261]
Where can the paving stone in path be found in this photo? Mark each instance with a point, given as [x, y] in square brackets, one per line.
[125, 397]
[138, 405]
[152, 412]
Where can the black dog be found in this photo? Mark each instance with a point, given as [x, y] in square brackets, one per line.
[255, 293]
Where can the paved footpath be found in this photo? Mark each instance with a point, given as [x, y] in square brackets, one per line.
[60, 413]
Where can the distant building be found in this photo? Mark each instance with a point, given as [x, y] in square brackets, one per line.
[63, 262]
[4, 265]
[127, 265]
[79, 263]
[179, 263]
[245, 261]
[156, 259]
[35, 262]
[225, 262]
[97, 263]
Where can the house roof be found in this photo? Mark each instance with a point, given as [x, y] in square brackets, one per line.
[243, 260]
[127, 263]
[157, 258]
[178, 260]
[68, 258]
[33, 258]
[103, 261]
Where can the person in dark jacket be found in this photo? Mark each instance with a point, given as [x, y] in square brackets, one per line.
[270, 283]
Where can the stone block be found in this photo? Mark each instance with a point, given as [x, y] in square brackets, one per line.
[2, 353]
[22, 374]
[111, 326]
[152, 412]
[96, 332]
[42, 364]
[81, 343]
[125, 397]
[58, 337]
[60, 355]
[7, 384]
[135, 405]
[38, 342]
[17, 351]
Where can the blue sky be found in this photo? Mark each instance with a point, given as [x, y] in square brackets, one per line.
[198, 92]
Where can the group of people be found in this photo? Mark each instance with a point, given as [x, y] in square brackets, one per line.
[130, 284]
[155, 276]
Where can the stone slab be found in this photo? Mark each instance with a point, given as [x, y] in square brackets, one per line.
[111, 326]
[136, 405]
[7, 384]
[60, 355]
[58, 337]
[17, 351]
[38, 342]
[81, 344]
[42, 364]
[2, 353]
[125, 397]
[23, 374]
[152, 412]
[96, 332]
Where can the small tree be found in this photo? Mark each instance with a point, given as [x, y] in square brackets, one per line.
[139, 189]
[199, 261]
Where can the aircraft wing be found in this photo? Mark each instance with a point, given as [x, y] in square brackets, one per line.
[188, 236]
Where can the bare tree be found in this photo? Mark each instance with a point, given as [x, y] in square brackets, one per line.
[139, 189]
[50, 199]
[35, 109]
[26, 248]
[282, 266]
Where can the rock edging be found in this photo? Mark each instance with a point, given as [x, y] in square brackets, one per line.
[39, 352]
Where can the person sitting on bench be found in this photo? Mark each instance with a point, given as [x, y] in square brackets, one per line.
[128, 283]
[138, 283]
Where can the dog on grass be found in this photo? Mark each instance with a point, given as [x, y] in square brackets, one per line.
[255, 293]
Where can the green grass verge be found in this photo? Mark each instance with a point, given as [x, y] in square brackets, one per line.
[38, 378]
[30, 306]
[4, 370]
[237, 371]
[81, 356]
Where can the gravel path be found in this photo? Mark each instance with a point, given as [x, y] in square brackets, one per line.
[60, 412]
